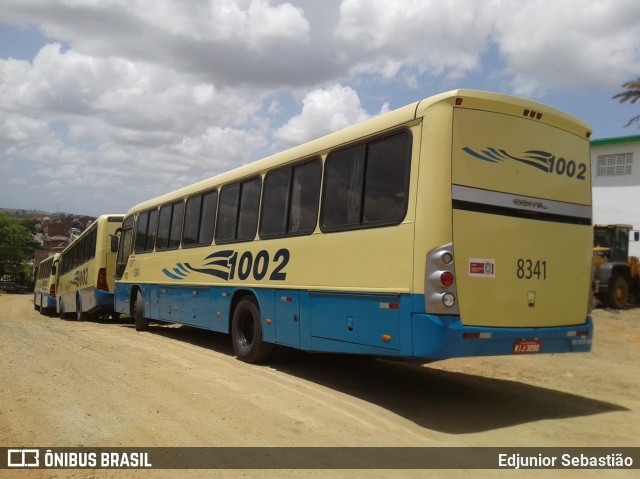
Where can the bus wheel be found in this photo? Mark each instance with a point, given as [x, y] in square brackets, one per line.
[618, 292]
[246, 332]
[80, 316]
[61, 313]
[141, 322]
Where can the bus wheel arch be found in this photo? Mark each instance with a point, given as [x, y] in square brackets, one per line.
[246, 329]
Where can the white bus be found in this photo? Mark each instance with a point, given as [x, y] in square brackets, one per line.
[85, 285]
[459, 225]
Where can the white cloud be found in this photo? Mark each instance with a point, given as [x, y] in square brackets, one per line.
[148, 96]
[323, 111]
[569, 44]
[429, 35]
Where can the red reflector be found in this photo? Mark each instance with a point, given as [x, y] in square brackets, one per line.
[582, 333]
[102, 280]
[389, 306]
[446, 278]
[471, 336]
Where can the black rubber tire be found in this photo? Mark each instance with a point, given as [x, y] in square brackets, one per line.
[246, 333]
[141, 323]
[80, 315]
[62, 314]
[618, 295]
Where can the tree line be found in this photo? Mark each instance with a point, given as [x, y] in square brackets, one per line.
[17, 248]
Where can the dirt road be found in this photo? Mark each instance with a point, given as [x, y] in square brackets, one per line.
[102, 384]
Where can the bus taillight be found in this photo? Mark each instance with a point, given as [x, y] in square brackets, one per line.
[102, 280]
[440, 287]
[446, 278]
[52, 291]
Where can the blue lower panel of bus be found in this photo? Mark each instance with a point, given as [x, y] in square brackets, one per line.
[357, 323]
[51, 302]
[441, 337]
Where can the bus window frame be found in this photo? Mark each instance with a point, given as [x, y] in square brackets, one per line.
[366, 144]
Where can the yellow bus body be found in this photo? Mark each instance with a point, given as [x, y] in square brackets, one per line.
[500, 184]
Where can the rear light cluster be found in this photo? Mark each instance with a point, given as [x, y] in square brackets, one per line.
[52, 291]
[440, 282]
[102, 280]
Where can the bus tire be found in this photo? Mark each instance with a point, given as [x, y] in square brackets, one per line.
[246, 332]
[80, 315]
[141, 322]
[618, 294]
[61, 312]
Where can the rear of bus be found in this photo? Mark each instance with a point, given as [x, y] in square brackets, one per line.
[44, 296]
[515, 277]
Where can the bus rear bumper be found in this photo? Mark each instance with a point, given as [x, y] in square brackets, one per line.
[442, 337]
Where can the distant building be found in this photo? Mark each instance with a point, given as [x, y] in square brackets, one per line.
[616, 182]
[58, 226]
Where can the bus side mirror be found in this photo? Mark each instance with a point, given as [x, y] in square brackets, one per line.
[636, 235]
[115, 241]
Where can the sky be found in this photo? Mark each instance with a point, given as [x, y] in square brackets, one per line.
[107, 103]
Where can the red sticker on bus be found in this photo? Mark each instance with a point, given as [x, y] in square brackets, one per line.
[482, 268]
[526, 346]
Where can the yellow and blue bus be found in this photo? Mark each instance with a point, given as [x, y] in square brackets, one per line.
[87, 266]
[459, 225]
[44, 293]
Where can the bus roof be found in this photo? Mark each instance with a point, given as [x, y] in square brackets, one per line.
[387, 121]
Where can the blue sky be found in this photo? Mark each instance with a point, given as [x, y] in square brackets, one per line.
[106, 104]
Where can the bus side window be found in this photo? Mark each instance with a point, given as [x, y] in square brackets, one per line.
[176, 224]
[305, 192]
[192, 220]
[249, 205]
[228, 213]
[151, 231]
[141, 232]
[164, 226]
[290, 200]
[208, 217]
[387, 180]
[367, 185]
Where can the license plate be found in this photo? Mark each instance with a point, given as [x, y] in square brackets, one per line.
[526, 346]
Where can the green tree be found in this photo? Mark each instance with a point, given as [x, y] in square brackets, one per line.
[16, 244]
[631, 93]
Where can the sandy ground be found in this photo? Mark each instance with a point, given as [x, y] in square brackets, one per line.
[102, 384]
